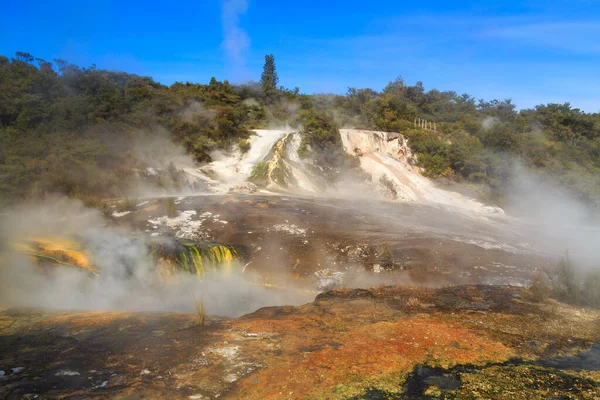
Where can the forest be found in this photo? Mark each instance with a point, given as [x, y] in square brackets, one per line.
[74, 130]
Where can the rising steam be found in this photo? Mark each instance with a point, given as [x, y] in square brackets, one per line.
[235, 40]
[127, 278]
[555, 220]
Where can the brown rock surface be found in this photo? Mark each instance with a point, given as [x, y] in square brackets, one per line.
[375, 342]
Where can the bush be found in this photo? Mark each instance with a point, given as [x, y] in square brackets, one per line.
[433, 153]
[414, 303]
[244, 145]
[566, 284]
[540, 288]
[591, 289]
[260, 172]
[200, 311]
[126, 204]
[320, 135]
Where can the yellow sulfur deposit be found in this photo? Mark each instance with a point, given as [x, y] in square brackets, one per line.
[198, 260]
[59, 251]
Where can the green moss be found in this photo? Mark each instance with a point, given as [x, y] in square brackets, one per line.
[260, 172]
[525, 382]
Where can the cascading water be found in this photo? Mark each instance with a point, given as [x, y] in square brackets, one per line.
[386, 157]
[201, 260]
[192, 235]
[229, 170]
[171, 256]
[384, 154]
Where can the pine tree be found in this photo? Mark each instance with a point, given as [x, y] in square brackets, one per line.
[269, 78]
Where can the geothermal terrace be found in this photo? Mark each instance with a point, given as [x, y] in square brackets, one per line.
[262, 280]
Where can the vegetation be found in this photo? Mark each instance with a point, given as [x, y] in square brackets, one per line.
[320, 138]
[126, 204]
[540, 288]
[244, 145]
[200, 311]
[478, 141]
[269, 79]
[76, 130]
[567, 283]
[259, 172]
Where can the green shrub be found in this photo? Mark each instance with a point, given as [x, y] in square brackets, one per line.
[591, 289]
[320, 136]
[244, 145]
[260, 171]
[540, 288]
[126, 204]
[566, 284]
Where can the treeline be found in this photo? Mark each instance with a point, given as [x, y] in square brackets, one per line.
[480, 141]
[74, 130]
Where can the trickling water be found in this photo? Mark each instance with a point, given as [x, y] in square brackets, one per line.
[232, 169]
[200, 260]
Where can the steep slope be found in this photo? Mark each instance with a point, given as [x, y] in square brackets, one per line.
[385, 156]
[229, 170]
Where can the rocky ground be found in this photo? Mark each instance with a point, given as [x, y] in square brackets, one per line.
[283, 237]
[384, 342]
[421, 337]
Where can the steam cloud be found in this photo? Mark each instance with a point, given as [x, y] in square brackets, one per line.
[127, 279]
[554, 219]
[235, 40]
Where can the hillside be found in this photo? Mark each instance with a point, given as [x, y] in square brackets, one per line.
[210, 241]
[92, 134]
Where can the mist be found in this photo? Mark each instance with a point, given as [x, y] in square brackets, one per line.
[127, 276]
[555, 220]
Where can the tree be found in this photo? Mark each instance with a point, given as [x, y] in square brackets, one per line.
[269, 79]
[25, 57]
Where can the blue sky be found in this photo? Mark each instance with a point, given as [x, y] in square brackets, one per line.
[531, 51]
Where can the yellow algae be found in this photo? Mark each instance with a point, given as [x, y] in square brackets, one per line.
[227, 257]
[151, 207]
[197, 258]
[184, 261]
[212, 259]
[61, 251]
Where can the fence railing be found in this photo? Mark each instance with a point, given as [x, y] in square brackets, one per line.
[424, 124]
